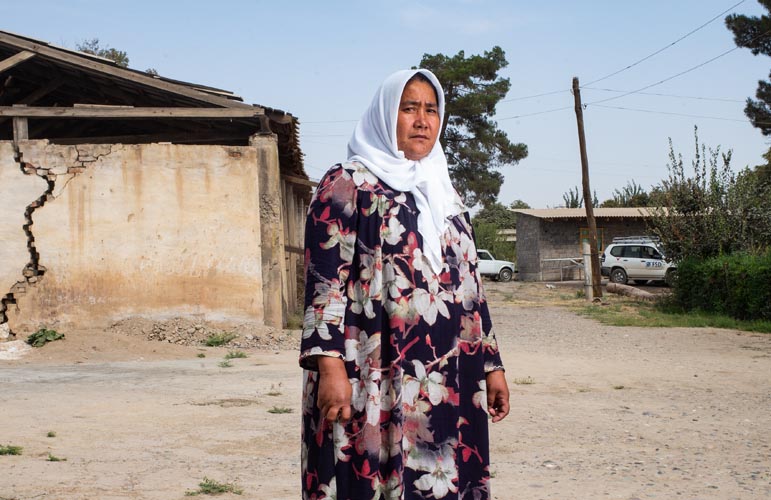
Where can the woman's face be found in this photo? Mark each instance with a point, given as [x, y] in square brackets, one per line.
[417, 125]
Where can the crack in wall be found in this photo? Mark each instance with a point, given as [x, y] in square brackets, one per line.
[32, 271]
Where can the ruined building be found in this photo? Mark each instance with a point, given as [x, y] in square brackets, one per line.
[126, 194]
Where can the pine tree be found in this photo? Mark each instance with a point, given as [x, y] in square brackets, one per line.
[474, 145]
[754, 33]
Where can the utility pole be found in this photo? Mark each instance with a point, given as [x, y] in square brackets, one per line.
[595, 259]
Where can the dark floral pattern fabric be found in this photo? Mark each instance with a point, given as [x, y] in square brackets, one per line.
[416, 346]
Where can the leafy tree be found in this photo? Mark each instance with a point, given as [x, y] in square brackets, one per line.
[498, 214]
[488, 237]
[92, 46]
[474, 145]
[711, 211]
[519, 204]
[575, 199]
[752, 33]
[631, 195]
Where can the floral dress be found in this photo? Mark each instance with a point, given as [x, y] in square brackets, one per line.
[416, 347]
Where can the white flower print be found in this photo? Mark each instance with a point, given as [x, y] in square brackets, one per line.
[362, 175]
[394, 280]
[441, 470]
[359, 294]
[431, 384]
[359, 350]
[341, 442]
[466, 293]
[330, 490]
[429, 305]
[393, 232]
[480, 397]
[314, 322]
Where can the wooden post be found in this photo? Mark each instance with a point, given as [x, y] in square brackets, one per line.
[595, 260]
[20, 126]
[587, 258]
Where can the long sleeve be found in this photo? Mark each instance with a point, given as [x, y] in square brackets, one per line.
[492, 357]
[330, 236]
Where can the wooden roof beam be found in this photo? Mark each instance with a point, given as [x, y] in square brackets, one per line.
[126, 112]
[84, 63]
[15, 59]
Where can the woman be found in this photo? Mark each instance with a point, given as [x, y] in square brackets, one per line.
[401, 366]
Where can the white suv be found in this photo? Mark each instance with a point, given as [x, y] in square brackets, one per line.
[502, 270]
[636, 258]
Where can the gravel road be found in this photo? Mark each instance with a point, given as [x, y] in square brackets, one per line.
[598, 412]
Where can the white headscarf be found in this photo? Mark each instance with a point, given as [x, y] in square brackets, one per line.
[374, 144]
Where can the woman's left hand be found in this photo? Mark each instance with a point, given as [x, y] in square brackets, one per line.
[497, 395]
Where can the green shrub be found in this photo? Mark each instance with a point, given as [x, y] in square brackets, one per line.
[219, 339]
[737, 285]
[43, 336]
[10, 450]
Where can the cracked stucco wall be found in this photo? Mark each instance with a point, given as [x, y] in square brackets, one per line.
[17, 191]
[154, 230]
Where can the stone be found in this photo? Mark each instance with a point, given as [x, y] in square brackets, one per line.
[14, 350]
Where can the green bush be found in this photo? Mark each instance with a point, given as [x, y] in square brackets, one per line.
[43, 336]
[487, 237]
[737, 285]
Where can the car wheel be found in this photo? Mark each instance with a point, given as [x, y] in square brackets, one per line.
[618, 275]
[670, 277]
[505, 274]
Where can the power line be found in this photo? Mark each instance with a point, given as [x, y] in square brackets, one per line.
[534, 96]
[536, 113]
[667, 95]
[673, 114]
[665, 47]
[676, 75]
[633, 64]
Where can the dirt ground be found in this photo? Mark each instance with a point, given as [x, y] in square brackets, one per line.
[598, 412]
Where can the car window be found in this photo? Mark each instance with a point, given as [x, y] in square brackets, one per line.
[651, 253]
[484, 256]
[633, 252]
[617, 251]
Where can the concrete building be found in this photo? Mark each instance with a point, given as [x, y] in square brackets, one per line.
[127, 194]
[549, 240]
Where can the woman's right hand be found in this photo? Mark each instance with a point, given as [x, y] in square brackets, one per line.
[334, 395]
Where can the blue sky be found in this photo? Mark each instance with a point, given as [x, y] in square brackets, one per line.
[323, 60]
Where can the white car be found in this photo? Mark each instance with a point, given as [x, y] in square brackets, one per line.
[502, 270]
[636, 258]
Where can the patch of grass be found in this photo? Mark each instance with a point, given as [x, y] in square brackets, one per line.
[523, 381]
[225, 363]
[235, 354]
[51, 434]
[10, 450]
[280, 409]
[294, 322]
[212, 487]
[52, 458]
[43, 336]
[219, 339]
[619, 387]
[632, 313]
[201, 355]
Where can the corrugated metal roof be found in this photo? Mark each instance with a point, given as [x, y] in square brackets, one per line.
[580, 213]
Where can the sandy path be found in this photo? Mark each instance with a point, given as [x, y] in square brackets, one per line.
[140, 420]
